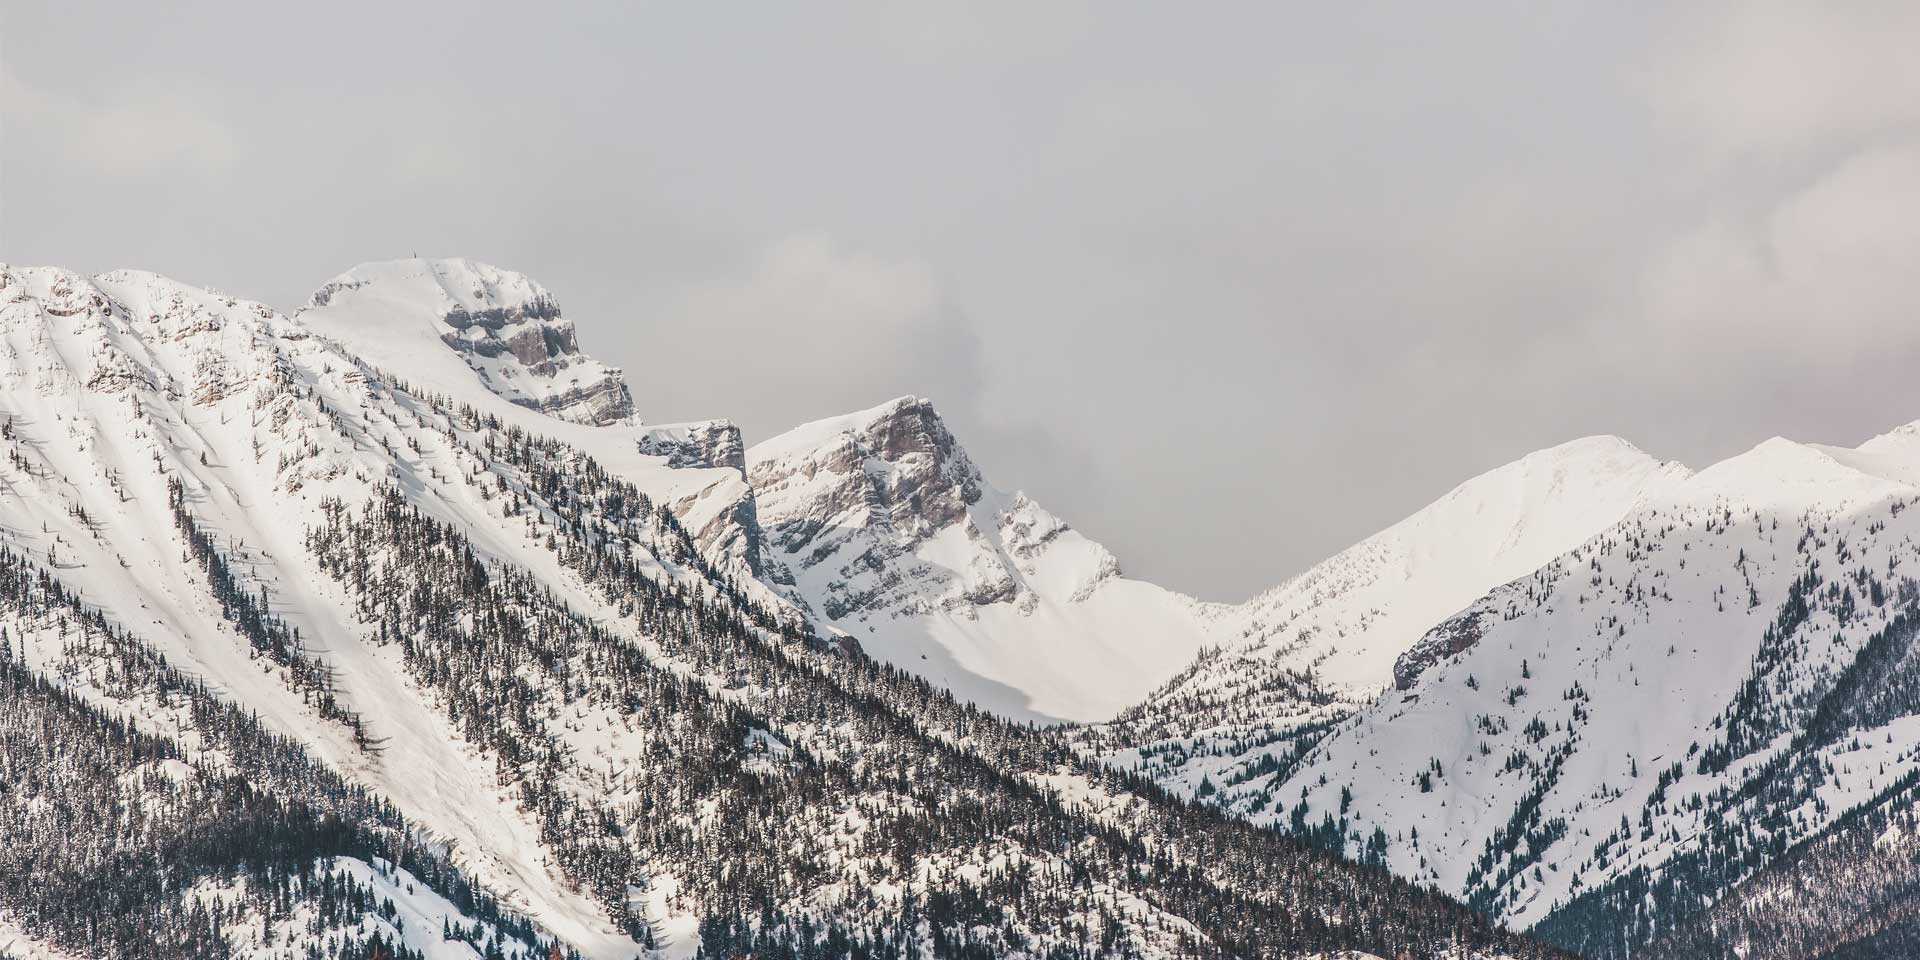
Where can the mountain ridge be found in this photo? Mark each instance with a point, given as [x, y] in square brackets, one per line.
[499, 626]
[1595, 737]
[505, 327]
[881, 517]
[467, 577]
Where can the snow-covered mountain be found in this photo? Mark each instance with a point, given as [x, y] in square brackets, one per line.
[1617, 739]
[883, 527]
[472, 332]
[878, 523]
[1353, 615]
[501, 325]
[1302, 655]
[404, 583]
[134, 406]
[321, 630]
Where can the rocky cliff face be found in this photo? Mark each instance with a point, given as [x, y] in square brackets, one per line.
[881, 526]
[507, 328]
[843, 500]
[721, 513]
[1455, 636]
[709, 443]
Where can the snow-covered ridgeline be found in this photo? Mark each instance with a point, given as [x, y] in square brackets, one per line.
[112, 387]
[172, 457]
[1699, 664]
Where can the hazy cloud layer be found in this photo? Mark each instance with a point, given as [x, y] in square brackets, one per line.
[1229, 287]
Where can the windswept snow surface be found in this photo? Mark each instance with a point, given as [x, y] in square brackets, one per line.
[1353, 615]
[1305, 654]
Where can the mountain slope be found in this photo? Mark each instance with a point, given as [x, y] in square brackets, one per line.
[1613, 742]
[1355, 613]
[1299, 657]
[135, 406]
[478, 335]
[182, 827]
[1850, 892]
[495, 626]
[884, 528]
[501, 325]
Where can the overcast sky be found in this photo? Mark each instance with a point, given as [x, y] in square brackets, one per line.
[1227, 286]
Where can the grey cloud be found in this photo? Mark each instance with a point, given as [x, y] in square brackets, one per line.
[1229, 290]
[809, 329]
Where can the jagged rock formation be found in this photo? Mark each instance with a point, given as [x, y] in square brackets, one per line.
[507, 328]
[722, 514]
[879, 524]
[709, 443]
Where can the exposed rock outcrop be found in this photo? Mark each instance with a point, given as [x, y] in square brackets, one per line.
[1454, 636]
[709, 443]
[507, 328]
[879, 524]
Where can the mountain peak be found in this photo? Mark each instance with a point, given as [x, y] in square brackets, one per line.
[910, 469]
[896, 406]
[832, 430]
[1901, 437]
[1596, 445]
[1784, 473]
[480, 290]
[1346, 620]
[882, 526]
[506, 329]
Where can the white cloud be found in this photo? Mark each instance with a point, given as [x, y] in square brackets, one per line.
[141, 133]
[1826, 276]
[808, 314]
[819, 302]
[1771, 76]
[997, 32]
